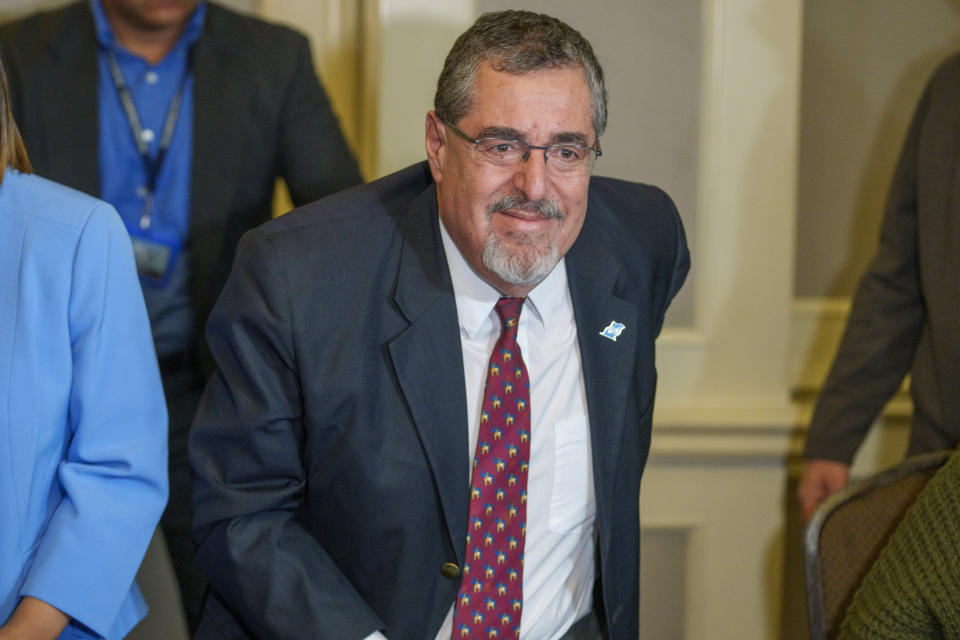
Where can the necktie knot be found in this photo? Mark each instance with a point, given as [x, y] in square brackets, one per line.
[509, 311]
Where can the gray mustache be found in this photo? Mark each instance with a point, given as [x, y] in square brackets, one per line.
[548, 209]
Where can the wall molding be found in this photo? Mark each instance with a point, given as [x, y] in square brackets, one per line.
[816, 328]
[736, 428]
[728, 432]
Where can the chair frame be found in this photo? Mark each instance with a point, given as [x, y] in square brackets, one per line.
[811, 538]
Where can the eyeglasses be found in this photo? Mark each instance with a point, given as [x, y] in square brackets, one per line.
[561, 158]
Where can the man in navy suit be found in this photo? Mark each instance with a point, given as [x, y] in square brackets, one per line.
[333, 447]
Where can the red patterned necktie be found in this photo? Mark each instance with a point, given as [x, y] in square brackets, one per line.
[490, 600]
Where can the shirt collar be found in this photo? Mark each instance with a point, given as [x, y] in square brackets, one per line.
[476, 298]
[105, 34]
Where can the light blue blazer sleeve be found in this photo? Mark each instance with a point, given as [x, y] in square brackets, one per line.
[83, 423]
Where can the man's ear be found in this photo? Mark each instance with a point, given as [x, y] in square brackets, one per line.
[436, 144]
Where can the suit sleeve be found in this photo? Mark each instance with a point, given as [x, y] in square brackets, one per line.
[114, 472]
[884, 325]
[315, 159]
[246, 451]
[681, 264]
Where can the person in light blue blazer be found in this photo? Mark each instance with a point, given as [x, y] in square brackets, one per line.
[83, 422]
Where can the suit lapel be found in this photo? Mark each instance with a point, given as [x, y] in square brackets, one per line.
[607, 364]
[428, 362]
[217, 148]
[71, 140]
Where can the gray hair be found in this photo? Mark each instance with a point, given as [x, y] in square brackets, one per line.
[517, 42]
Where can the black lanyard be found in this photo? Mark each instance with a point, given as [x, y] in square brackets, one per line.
[152, 166]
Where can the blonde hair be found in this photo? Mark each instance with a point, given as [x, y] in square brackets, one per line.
[12, 152]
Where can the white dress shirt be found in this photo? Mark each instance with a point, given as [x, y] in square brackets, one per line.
[559, 567]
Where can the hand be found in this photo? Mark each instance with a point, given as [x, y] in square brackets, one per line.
[34, 620]
[820, 479]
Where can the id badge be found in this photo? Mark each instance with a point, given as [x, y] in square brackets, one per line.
[155, 255]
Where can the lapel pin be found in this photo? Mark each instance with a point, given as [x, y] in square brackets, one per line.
[613, 330]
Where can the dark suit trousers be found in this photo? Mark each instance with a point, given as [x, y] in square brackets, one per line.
[586, 628]
[183, 385]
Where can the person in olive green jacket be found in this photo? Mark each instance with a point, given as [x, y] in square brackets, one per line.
[913, 589]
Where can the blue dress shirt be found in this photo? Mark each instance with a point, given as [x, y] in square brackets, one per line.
[123, 175]
[83, 423]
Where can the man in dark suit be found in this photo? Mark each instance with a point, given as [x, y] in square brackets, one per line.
[243, 106]
[905, 316]
[372, 368]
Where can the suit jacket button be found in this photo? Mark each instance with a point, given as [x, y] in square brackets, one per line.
[450, 570]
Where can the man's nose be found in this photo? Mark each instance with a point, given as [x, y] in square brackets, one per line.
[531, 175]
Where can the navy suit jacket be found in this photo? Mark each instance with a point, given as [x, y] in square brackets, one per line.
[330, 450]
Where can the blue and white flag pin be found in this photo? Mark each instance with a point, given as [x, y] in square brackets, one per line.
[613, 330]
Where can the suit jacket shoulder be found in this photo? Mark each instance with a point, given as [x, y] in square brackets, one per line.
[250, 37]
[354, 217]
[27, 37]
[50, 59]
[352, 237]
[637, 227]
[644, 212]
[947, 72]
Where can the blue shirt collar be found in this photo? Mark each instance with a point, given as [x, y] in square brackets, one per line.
[105, 34]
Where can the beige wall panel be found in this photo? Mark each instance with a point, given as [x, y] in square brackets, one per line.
[415, 36]
[864, 65]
